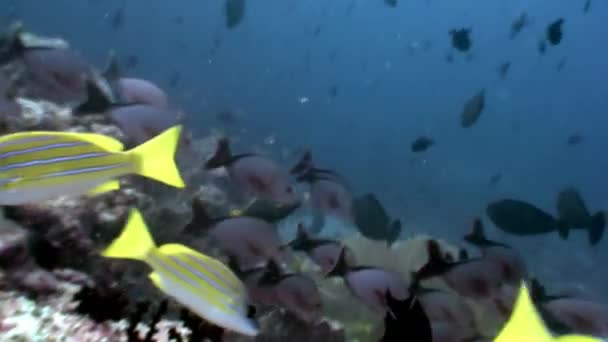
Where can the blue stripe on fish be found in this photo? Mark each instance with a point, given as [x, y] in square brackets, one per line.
[41, 148]
[212, 271]
[204, 277]
[53, 160]
[83, 170]
[169, 269]
[27, 140]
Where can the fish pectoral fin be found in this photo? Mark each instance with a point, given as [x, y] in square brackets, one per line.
[156, 280]
[104, 187]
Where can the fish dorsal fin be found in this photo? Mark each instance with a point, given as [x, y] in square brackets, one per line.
[222, 156]
[201, 219]
[272, 274]
[477, 236]
[525, 323]
[302, 234]
[341, 266]
[96, 102]
[304, 164]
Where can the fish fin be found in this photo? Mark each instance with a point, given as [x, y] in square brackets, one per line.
[156, 280]
[394, 233]
[341, 267]
[104, 187]
[112, 69]
[525, 323]
[222, 157]
[201, 220]
[155, 158]
[13, 45]
[96, 102]
[301, 233]
[477, 236]
[436, 265]
[596, 230]
[272, 274]
[563, 230]
[135, 241]
[304, 164]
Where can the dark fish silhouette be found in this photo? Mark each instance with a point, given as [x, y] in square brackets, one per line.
[573, 214]
[518, 24]
[422, 144]
[234, 12]
[555, 32]
[391, 3]
[575, 139]
[587, 6]
[495, 179]
[117, 20]
[503, 69]
[472, 109]
[461, 39]
[406, 320]
[372, 220]
[522, 218]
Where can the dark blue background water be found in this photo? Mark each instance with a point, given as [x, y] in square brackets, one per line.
[390, 90]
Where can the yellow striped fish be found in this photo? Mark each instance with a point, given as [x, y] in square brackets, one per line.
[201, 283]
[38, 166]
[526, 325]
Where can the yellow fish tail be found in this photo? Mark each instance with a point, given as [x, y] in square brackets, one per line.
[135, 241]
[155, 158]
[526, 324]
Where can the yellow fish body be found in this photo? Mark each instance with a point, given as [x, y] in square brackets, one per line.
[201, 283]
[38, 166]
[526, 325]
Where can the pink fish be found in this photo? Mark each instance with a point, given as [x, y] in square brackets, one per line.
[139, 122]
[251, 241]
[370, 284]
[329, 194]
[582, 316]
[295, 292]
[139, 91]
[474, 278]
[446, 308]
[255, 175]
[323, 252]
[509, 262]
[56, 75]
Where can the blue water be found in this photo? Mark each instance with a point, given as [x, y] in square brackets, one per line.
[389, 93]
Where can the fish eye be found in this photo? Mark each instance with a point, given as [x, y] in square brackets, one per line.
[289, 189]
